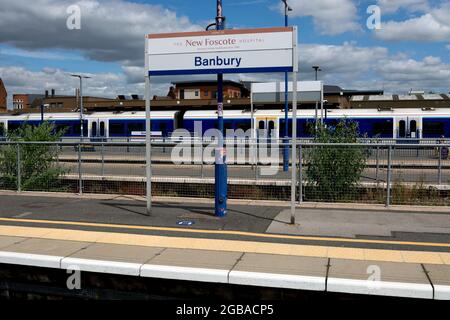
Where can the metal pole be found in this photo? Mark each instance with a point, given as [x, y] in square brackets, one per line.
[321, 105]
[377, 164]
[286, 106]
[388, 180]
[440, 166]
[221, 165]
[80, 181]
[148, 146]
[252, 127]
[203, 160]
[103, 161]
[81, 109]
[19, 171]
[300, 169]
[294, 128]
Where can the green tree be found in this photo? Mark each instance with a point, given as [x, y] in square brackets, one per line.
[38, 165]
[333, 172]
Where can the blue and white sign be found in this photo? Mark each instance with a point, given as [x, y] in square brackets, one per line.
[222, 51]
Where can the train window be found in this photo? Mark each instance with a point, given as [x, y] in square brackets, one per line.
[163, 128]
[61, 129]
[12, 126]
[228, 124]
[2, 129]
[244, 125]
[413, 126]
[117, 129]
[262, 125]
[283, 128]
[94, 129]
[271, 127]
[382, 128]
[102, 129]
[402, 129]
[136, 126]
[433, 128]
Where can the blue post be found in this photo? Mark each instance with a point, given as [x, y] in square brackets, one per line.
[286, 107]
[220, 164]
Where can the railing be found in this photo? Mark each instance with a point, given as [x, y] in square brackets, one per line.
[383, 172]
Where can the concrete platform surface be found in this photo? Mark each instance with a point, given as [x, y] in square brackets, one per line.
[6, 241]
[238, 268]
[440, 277]
[380, 278]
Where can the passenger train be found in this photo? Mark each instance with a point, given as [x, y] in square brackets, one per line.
[397, 123]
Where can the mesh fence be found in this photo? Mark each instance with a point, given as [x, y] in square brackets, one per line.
[366, 173]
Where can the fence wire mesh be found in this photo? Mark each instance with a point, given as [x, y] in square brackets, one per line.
[364, 172]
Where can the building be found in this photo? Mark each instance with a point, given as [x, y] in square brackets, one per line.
[207, 90]
[392, 101]
[3, 97]
[26, 101]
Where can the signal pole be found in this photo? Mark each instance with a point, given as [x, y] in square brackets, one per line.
[221, 154]
[287, 8]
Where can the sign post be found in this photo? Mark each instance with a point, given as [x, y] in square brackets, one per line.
[216, 52]
[221, 192]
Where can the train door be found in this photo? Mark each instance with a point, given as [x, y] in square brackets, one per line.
[266, 128]
[98, 129]
[408, 128]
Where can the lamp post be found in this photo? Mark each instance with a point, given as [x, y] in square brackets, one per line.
[316, 69]
[81, 77]
[287, 8]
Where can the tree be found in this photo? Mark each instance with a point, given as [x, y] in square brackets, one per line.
[333, 172]
[38, 165]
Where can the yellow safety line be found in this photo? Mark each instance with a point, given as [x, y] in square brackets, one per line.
[219, 245]
[227, 232]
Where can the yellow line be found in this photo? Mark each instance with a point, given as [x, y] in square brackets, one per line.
[225, 232]
[223, 245]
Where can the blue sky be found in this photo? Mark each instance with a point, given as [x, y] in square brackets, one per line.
[410, 51]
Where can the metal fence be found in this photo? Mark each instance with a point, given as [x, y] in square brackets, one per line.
[388, 173]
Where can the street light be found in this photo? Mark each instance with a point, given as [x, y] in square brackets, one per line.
[81, 77]
[317, 69]
[287, 8]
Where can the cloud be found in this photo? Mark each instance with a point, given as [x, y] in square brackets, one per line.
[392, 6]
[431, 26]
[111, 30]
[330, 17]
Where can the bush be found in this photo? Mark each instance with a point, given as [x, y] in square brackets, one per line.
[333, 172]
[39, 170]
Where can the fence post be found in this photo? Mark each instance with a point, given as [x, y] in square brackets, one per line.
[388, 180]
[103, 160]
[202, 159]
[19, 171]
[80, 181]
[300, 172]
[256, 162]
[377, 164]
[440, 166]
[128, 145]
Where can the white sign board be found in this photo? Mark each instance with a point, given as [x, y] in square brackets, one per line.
[222, 51]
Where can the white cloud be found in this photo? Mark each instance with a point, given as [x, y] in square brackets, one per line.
[431, 26]
[392, 6]
[330, 16]
[111, 30]
[448, 47]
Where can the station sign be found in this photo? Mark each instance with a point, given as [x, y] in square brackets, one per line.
[222, 51]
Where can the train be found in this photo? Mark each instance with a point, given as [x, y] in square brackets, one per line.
[373, 123]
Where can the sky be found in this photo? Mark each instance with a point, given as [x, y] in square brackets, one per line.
[408, 49]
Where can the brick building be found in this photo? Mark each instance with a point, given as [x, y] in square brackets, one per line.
[190, 90]
[3, 97]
